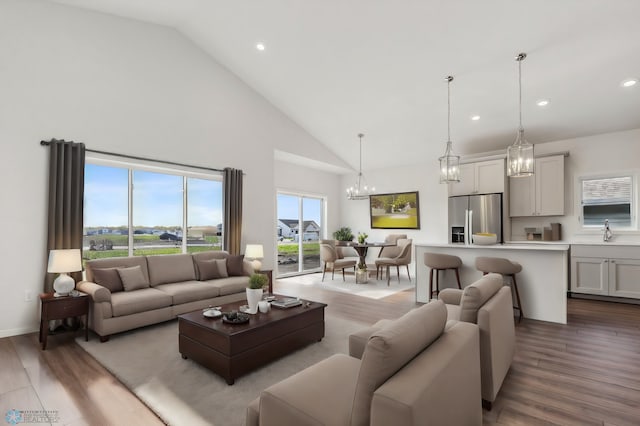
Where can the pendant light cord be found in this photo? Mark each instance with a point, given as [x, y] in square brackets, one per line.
[520, 89]
[520, 58]
[448, 109]
[360, 135]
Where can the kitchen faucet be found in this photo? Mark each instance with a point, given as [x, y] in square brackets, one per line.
[607, 231]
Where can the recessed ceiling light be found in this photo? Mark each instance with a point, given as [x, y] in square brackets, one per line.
[630, 82]
[475, 117]
[260, 46]
[542, 102]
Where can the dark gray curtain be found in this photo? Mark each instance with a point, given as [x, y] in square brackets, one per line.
[232, 220]
[66, 196]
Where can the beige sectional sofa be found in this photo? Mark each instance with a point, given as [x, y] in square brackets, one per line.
[413, 371]
[131, 292]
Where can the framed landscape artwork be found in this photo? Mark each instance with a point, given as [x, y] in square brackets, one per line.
[400, 210]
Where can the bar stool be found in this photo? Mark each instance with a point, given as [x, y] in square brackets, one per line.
[505, 267]
[441, 262]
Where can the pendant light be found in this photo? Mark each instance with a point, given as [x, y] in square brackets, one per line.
[360, 191]
[520, 155]
[449, 163]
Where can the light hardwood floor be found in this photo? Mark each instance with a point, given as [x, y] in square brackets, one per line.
[586, 372]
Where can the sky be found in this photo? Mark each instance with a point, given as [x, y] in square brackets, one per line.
[288, 207]
[157, 198]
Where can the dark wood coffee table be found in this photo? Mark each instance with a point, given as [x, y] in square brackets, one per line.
[231, 350]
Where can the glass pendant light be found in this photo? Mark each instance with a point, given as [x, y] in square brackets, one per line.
[449, 163]
[360, 191]
[520, 155]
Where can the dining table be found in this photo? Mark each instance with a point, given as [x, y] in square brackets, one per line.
[362, 249]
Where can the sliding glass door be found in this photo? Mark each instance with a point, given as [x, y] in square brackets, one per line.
[299, 229]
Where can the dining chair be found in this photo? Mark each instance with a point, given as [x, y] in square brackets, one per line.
[329, 257]
[403, 258]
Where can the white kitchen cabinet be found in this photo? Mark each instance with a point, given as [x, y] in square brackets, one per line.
[589, 275]
[624, 278]
[484, 177]
[606, 270]
[541, 194]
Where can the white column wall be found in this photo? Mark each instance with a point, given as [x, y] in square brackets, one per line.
[299, 179]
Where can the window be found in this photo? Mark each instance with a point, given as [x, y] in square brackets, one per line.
[607, 198]
[299, 250]
[106, 212]
[135, 210]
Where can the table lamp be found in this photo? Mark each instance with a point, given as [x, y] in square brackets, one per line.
[255, 253]
[63, 262]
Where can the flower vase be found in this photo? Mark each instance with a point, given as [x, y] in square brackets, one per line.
[362, 276]
[254, 295]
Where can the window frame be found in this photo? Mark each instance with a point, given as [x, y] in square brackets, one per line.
[150, 166]
[633, 208]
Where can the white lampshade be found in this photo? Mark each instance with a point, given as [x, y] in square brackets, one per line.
[255, 252]
[62, 262]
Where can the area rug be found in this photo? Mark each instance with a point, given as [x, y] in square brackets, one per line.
[181, 392]
[374, 289]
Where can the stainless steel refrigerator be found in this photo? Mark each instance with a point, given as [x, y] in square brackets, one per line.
[471, 214]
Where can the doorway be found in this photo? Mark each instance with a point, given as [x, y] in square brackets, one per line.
[299, 229]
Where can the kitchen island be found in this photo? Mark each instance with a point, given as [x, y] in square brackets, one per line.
[543, 282]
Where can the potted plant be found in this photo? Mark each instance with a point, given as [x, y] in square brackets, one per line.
[362, 237]
[254, 291]
[343, 234]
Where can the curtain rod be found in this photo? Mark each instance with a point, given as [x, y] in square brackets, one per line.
[133, 157]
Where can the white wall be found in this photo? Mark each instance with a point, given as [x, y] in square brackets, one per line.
[433, 198]
[599, 154]
[128, 87]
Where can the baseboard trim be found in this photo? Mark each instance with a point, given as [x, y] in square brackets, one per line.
[17, 331]
[614, 299]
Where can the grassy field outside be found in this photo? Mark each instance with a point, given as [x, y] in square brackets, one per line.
[292, 249]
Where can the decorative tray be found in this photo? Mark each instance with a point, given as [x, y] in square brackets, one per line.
[235, 318]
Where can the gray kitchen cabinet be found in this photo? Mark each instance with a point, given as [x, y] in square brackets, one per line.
[541, 194]
[483, 177]
[606, 270]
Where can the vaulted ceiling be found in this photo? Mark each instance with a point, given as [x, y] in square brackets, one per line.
[340, 67]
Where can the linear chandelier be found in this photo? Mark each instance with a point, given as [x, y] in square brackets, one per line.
[360, 191]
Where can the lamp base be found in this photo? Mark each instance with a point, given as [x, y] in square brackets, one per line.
[257, 265]
[63, 285]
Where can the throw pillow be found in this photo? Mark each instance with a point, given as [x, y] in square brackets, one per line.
[235, 266]
[222, 267]
[207, 269]
[133, 278]
[108, 278]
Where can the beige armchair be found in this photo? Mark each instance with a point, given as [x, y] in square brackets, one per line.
[402, 259]
[330, 259]
[487, 303]
[413, 372]
[394, 250]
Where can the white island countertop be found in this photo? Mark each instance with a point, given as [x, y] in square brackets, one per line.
[507, 246]
[542, 283]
